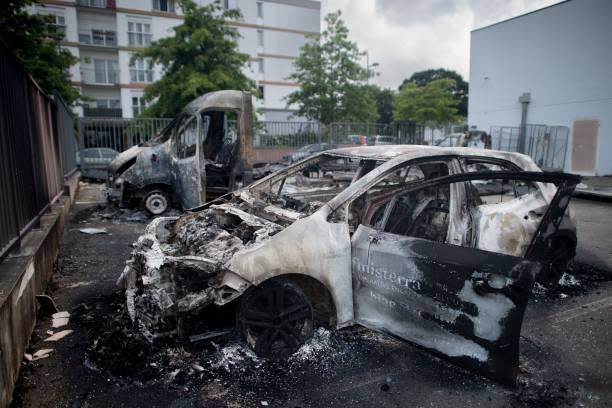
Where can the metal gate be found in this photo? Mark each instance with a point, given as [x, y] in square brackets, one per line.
[547, 145]
[350, 133]
[118, 134]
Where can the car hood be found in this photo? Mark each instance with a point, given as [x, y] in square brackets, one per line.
[125, 157]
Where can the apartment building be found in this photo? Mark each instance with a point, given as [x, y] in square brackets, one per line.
[104, 34]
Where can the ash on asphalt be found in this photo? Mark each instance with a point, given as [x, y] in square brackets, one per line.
[117, 350]
[228, 364]
[116, 215]
[581, 280]
[109, 364]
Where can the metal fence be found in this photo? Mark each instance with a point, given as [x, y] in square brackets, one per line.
[286, 134]
[547, 145]
[376, 133]
[118, 134]
[68, 143]
[31, 174]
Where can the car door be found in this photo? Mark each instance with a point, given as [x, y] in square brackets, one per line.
[461, 303]
[185, 163]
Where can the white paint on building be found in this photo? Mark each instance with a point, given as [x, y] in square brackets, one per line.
[562, 56]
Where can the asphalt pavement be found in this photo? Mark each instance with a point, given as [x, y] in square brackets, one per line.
[566, 344]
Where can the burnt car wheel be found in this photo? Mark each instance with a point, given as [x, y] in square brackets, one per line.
[275, 319]
[156, 202]
[558, 261]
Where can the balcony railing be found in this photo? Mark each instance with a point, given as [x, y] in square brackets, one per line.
[102, 112]
[97, 3]
[101, 38]
[100, 77]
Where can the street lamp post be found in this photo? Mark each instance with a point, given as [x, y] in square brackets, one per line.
[370, 73]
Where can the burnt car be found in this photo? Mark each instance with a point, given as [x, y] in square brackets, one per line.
[202, 154]
[436, 246]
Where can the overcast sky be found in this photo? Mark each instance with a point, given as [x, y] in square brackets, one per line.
[405, 36]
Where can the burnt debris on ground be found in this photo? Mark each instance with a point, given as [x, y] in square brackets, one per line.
[580, 280]
[111, 213]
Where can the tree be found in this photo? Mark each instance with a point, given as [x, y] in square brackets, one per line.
[34, 40]
[330, 77]
[459, 89]
[201, 57]
[432, 104]
[384, 98]
[359, 105]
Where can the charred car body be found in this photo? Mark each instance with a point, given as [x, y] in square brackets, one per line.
[436, 246]
[202, 154]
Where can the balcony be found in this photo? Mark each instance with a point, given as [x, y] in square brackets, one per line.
[100, 76]
[103, 4]
[102, 112]
[102, 38]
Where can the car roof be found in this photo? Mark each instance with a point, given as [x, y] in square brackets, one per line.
[227, 99]
[410, 152]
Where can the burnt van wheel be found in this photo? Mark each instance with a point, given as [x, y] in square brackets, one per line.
[275, 319]
[156, 202]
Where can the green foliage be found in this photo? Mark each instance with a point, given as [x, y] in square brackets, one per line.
[35, 42]
[384, 99]
[329, 74]
[432, 104]
[201, 57]
[459, 89]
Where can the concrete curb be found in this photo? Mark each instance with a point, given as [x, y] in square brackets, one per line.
[22, 277]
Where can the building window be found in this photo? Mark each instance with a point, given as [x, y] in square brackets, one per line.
[105, 71]
[138, 105]
[141, 71]
[261, 91]
[108, 103]
[260, 66]
[98, 37]
[260, 37]
[139, 34]
[58, 20]
[259, 9]
[60, 24]
[164, 5]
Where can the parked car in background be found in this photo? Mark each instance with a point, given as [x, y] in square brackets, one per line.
[382, 140]
[450, 140]
[473, 138]
[94, 162]
[306, 151]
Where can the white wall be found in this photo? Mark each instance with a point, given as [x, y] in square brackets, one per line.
[562, 55]
[283, 43]
[93, 20]
[286, 16]
[75, 70]
[275, 94]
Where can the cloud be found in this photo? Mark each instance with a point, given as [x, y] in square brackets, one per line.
[405, 36]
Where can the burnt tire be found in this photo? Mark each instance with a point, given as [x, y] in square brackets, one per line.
[156, 202]
[559, 260]
[275, 319]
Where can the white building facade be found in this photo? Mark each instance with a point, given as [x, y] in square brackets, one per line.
[562, 57]
[104, 34]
